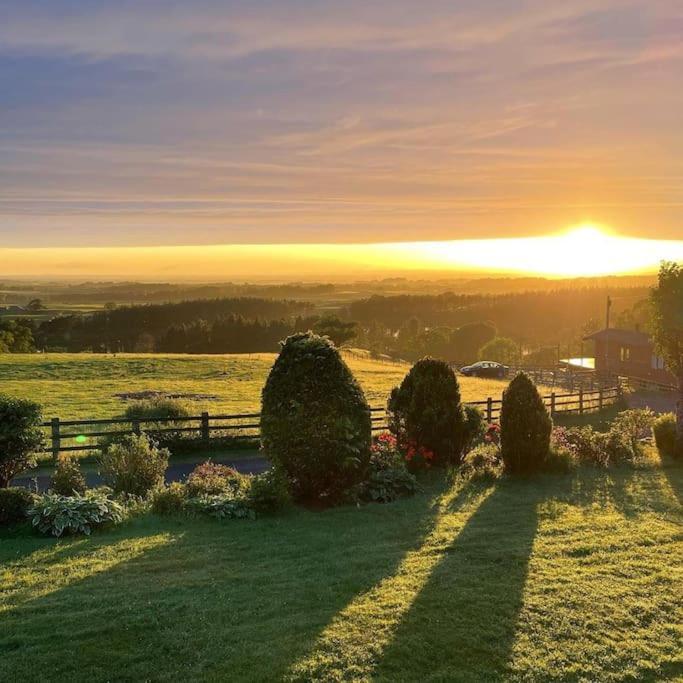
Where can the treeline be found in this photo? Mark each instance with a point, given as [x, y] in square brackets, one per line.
[139, 328]
[232, 334]
[534, 318]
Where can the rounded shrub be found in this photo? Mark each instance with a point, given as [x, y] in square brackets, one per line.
[213, 479]
[525, 427]
[135, 465]
[315, 421]
[14, 505]
[425, 412]
[664, 430]
[20, 436]
[68, 479]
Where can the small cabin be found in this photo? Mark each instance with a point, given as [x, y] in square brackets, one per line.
[628, 353]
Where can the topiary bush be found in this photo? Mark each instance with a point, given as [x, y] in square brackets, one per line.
[68, 479]
[425, 412]
[664, 430]
[525, 427]
[20, 436]
[315, 421]
[134, 466]
[14, 504]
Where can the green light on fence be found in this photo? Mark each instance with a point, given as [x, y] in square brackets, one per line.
[81, 438]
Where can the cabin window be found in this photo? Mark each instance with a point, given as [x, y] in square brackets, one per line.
[657, 363]
[625, 353]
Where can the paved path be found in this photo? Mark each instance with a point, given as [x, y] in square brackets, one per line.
[248, 463]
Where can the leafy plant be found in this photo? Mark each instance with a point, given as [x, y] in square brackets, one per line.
[14, 504]
[163, 409]
[635, 426]
[425, 412]
[223, 506]
[211, 479]
[315, 421]
[135, 465]
[68, 479]
[664, 430]
[57, 515]
[525, 427]
[482, 463]
[269, 492]
[169, 500]
[20, 436]
[388, 485]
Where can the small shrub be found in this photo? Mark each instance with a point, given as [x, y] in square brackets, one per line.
[269, 492]
[57, 515]
[525, 427]
[14, 504]
[164, 409]
[635, 426]
[588, 446]
[475, 427]
[134, 466]
[482, 463]
[561, 460]
[212, 479]
[425, 412]
[169, 500]
[315, 420]
[388, 485]
[224, 506]
[20, 436]
[68, 479]
[664, 430]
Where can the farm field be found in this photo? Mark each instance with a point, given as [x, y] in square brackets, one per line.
[80, 386]
[579, 574]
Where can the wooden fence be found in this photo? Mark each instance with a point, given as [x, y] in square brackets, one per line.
[78, 435]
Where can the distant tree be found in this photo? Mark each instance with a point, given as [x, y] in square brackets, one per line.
[35, 305]
[337, 330]
[16, 336]
[468, 339]
[436, 343]
[667, 328]
[501, 350]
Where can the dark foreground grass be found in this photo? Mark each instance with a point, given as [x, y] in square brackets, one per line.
[555, 578]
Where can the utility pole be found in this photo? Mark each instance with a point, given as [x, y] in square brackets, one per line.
[609, 307]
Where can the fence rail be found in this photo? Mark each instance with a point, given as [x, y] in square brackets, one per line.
[247, 425]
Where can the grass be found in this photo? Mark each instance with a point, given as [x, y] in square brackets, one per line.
[573, 577]
[81, 386]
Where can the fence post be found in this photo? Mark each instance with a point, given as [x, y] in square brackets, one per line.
[552, 404]
[205, 426]
[489, 409]
[581, 401]
[56, 440]
[136, 427]
[601, 400]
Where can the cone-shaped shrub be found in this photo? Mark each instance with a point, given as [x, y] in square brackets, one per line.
[525, 427]
[315, 421]
[426, 412]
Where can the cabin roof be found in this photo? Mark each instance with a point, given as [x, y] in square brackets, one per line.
[629, 337]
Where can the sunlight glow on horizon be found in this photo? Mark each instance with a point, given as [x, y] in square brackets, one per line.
[584, 250]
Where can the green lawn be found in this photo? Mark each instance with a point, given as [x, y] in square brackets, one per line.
[554, 578]
[73, 386]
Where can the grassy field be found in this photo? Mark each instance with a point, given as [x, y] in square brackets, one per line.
[72, 386]
[572, 577]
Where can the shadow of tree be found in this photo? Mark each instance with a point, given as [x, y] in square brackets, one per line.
[215, 599]
[462, 625]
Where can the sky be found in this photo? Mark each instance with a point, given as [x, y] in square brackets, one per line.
[297, 121]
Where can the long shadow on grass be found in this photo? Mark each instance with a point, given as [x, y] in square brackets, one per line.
[233, 600]
[462, 624]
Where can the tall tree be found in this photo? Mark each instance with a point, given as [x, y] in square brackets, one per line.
[667, 328]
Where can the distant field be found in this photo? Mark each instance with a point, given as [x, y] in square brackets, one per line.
[72, 386]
